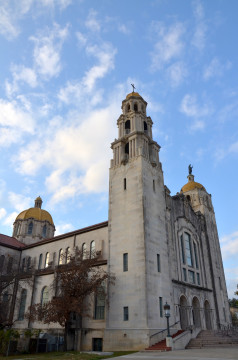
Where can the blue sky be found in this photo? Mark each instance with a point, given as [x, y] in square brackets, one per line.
[66, 65]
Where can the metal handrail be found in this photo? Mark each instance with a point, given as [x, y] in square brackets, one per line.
[161, 331]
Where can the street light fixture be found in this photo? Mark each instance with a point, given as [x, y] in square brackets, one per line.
[167, 315]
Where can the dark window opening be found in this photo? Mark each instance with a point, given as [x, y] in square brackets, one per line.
[127, 126]
[9, 265]
[145, 126]
[135, 107]
[30, 228]
[128, 107]
[158, 262]
[125, 262]
[28, 265]
[188, 197]
[124, 183]
[40, 261]
[161, 306]
[2, 259]
[127, 148]
[22, 305]
[44, 231]
[126, 313]
[97, 344]
[154, 185]
[99, 309]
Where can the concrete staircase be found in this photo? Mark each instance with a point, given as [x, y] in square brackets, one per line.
[213, 338]
[161, 346]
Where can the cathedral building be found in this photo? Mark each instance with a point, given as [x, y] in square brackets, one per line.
[161, 249]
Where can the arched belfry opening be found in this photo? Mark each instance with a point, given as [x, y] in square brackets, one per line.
[145, 127]
[127, 126]
[128, 108]
[127, 148]
[135, 107]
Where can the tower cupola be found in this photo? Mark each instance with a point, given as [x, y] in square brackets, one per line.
[134, 133]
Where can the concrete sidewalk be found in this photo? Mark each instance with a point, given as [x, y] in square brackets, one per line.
[230, 353]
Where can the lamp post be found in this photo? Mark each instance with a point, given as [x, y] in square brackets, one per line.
[167, 315]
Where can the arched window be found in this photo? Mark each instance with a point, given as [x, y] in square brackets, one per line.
[127, 126]
[22, 304]
[99, 308]
[84, 251]
[92, 249]
[127, 148]
[145, 126]
[44, 295]
[5, 298]
[135, 107]
[9, 265]
[44, 231]
[40, 262]
[17, 229]
[28, 265]
[23, 264]
[30, 228]
[61, 255]
[47, 257]
[2, 259]
[67, 255]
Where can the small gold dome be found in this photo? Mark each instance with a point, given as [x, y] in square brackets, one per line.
[35, 213]
[133, 94]
[191, 185]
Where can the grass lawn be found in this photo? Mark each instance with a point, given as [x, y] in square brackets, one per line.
[70, 355]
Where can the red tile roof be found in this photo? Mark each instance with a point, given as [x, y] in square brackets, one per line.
[10, 241]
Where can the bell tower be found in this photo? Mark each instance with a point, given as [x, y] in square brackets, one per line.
[138, 245]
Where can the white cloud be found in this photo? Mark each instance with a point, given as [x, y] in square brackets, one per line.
[19, 201]
[123, 29]
[233, 147]
[199, 37]
[77, 90]
[14, 122]
[76, 153]
[168, 44]
[47, 51]
[92, 23]
[229, 245]
[190, 107]
[215, 69]
[7, 26]
[63, 228]
[105, 55]
[9, 220]
[82, 39]
[177, 72]
[3, 213]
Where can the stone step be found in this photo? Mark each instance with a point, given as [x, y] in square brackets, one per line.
[206, 339]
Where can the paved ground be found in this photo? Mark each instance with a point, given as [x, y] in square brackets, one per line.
[230, 353]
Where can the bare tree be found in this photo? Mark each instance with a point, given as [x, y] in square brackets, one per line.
[12, 278]
[74, 281]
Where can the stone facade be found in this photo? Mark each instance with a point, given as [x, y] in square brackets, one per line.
[161, 248]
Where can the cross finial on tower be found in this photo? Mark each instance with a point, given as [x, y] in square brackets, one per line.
[133, 86]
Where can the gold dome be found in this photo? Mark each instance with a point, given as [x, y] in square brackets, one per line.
[133, 94]
[35, 213]
[191, 185]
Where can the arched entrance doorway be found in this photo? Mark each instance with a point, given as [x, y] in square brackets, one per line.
[207, 311]
[196, 312]
[183, 310]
